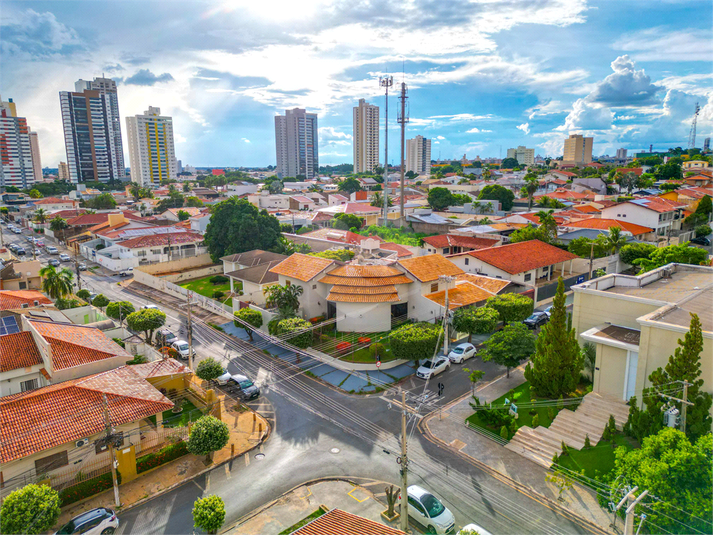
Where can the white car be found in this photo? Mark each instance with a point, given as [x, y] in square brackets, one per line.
[181, 346]
[64, 257]
[461, 352]
[548, 311]
[474, 529]
[432, 367]
[95, 522]
[149, 307]
[429, 512]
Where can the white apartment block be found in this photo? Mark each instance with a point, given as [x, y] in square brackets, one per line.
[296, 144]
[16, 164]
[366, 137]
[523, 155]
[418, 155]
[63, 171]
[152, 155]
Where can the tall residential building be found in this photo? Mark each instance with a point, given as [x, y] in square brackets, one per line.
[36, 161]
[366, 137]
[523, 155]
[63, 171]
[418, 155]
[621, 154]
[296, 138]
[16, 164]
[578, 149]
[707, 144]
[92, 131]
[151, 151]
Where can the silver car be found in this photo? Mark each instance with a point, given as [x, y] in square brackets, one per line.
[101, 521]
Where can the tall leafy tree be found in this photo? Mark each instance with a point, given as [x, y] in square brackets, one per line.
[511, 307]
[209, 369]
[557, 363]
[472, 320]
[146, 320]
[494, 192]
[633, 251]
[207, 435]
[56, 284]
[119, 310]
[237, 226]
[30, 510]
[440, 198]
[681, 254]
[705, 206]
[287, 296]
[250, 317]
[349, 185]
[510, 346]
[58, 225]
[347, 221]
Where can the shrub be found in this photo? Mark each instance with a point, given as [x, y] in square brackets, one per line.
[87, 488]
[209, 369]
[83, 294]
[303, 339]
[138, 359]
[219, 279]
[587, 442]
[100, 301]
[504, 434]
[30, 509]
[209, 513]
[416, 341]
[164, 455]
[218, 294]
[208, 434]
[703, 230]
[119, 342]
[377, 348]
[64, 304]
[535, 421]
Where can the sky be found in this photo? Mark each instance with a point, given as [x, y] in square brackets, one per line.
[482, 75]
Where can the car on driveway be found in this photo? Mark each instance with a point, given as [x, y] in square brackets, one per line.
[53, 262]
[548, 311]
[245, 387]
[701, 240]
[429, 512]
[182, 348]
[101, 521]
[432, 367]
[64, 257]
[462, 352]
[538, 319]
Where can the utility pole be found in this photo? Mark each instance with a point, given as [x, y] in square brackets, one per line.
[110, 444]
[386, 82]
[76, 265]
[632, 502]
[591, 260]
[402, 119]
[447, 279]
[190, 331]
[404, 466]
[684, 403]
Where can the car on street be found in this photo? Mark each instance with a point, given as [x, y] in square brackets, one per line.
[51, 249]
[64, 257]
[462, 352]
[12, 247]
[432, 367]
[39, 243]
[151, 307]
[82, 266]
[537, 319]
[17, 231]
[53, 262]
[165, 337]
[245, 387]
[473, 528]
[182, 348]
[20, 251]
[101, 521]
[30, 238]
[129, 272]
[548, 311]
[429, 512]
[701, 240]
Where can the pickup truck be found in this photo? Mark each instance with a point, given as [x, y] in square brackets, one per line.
[129, 272]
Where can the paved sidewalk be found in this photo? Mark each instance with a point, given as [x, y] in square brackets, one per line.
[301, 502]
[449, 428]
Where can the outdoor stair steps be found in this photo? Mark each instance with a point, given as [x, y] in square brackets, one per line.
[572, 426]
[545, 437]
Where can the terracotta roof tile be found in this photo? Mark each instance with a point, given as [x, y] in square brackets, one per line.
[463, 294]
[402, 252]
[10, 299]
[489, 284]
[54, 200]
[524, 256]
[430, 267]
[18, 350]
[88, 220]
[154, 240]
[657, 204]
[338, 522]
[597, 223]
[453, 240]
[302, 267]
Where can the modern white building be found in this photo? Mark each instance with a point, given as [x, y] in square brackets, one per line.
[92, 131]
[366, 137]
[418, 155]
[36, 161]
[621, 154]
[296, 144]
[523, 155]
[16, 164]
[152, 154]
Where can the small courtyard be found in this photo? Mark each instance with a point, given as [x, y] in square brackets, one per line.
[207, 288]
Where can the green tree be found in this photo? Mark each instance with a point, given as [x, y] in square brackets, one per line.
[209, 513]
[529, 189]
[58, 225]
[347, 221]
[251, 317]
[287, 296]
[237, 226]
[296, 331]
[705, 206]
[275, 187]
[349, 185]
[194, 202]
[530, 232]
[511, 307]
[119, 310]
[342, 255]
[589, 358]
[209, 369]
[416, 341]
[669, 171]
[703, 230]
[183, 215]
[508, 163]
[40, 216]
[678, 473]
[105, 201]
[34, 194]
[680, 254]
[84, 294]
[440, 198]
[377, 199]
[289, 247]
[174, 200]
[472, 320]
[495, 192]
[582, 247]
[473, 376]
[31, 510]
[555, 367]
[100, 301]
[634, 251]
[548, 225]
[510, 346]
[207, 435]
[146, 320]
[614, 240]
[56, 284]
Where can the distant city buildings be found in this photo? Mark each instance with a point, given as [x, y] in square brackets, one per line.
[366, 137]
[707, 144]
[36, 160]
[92, 131]
[523, 155]
[578, 149]
[17, 167]
[418, 155]
[179, 166]
[152, 154]
[296, 144]
[63, 171]
[621, 154]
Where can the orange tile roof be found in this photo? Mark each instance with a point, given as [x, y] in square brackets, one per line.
[597, 223]
[88, 219]
[453, 240]
[10, 299]
[18, 350]
[302, 267]
[75, 345]
[37, 420]
[402, 251]
[430, 267]
[657, 204]
[489, 284]
[338, 522]
[377, 294]
[54, 200]
[524, 256]
[507, 226]
[160, 368]
[364, 277]
[154, 240]
[463, 294]
[586, 208]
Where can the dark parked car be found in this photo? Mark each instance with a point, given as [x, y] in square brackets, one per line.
[701, 240]
[538, 319]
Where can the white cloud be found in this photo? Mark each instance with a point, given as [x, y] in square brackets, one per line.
[658, 44]
[476, 130]
[625, 86]
[525, 127]
[440, 137]
[245, 140]
[462, 117]
[550, 107]
[587, 116]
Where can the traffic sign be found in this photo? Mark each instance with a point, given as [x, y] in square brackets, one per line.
[378, 364]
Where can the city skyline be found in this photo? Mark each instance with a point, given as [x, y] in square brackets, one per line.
[494, 81]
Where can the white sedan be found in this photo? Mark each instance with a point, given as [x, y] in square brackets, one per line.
[461, 352]
[432, 367]
[473, 529]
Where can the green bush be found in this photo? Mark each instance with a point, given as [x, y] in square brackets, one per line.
[64, 304]
[83, 294]
[535, 421]
[87, 488]
[219, 279]
[31, 509]
[138, 359]
[416, 341]
[164, 455]
[218, 294]
[119, 342]
[504, 432]
[703, 230]
[377, 348]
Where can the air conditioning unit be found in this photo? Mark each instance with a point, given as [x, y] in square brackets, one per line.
[81, 442]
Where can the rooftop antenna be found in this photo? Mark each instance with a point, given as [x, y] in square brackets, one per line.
[692, 134]
[402, 119]
[386, 82]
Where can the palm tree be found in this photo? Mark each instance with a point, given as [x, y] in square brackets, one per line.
[377, 199]
[40, 216]
[56, 284]
[529, 189]
[58, 225]
[548, 223]
[615, 240]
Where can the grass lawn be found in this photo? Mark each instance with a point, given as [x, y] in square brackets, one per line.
[306, 520]
[360, 355]
[206, 288]
[190, 413]
[598, 459]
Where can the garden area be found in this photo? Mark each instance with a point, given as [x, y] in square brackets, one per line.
[190, 413]
[596, 460]
[355, 347]
[213, 286]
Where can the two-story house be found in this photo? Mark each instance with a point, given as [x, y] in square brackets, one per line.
[663, 215]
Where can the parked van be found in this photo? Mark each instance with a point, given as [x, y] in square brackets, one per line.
[51, 249]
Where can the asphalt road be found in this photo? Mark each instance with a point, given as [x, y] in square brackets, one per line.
[320, 432]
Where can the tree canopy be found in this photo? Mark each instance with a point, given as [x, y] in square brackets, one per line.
[511, 307]
[251, 317]
[582, 247]
[347, 221]
[343, 255]
[680, 254]
[30, 510]
[349, 185]
[105, 201]
[494, 192]
[473, 320]
[56, 284]
[509, 346]
[209, 369]
[209, 513]
[100, 301]
[287, 296]
[302, 328]
[705, 206]
[146, 320]
[509, 163]
[633, 251]
[207, 435]
[237, 226]
[440, 198]
[416, 341]
[119, 310]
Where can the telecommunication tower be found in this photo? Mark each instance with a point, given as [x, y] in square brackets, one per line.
[402, 119]
[692, 134]
[386, 82]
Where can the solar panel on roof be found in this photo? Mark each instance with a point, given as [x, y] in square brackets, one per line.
[136, 232]
[8, 325]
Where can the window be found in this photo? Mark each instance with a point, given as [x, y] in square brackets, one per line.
[51, 462]
[528, 277]
[314, 286]
[467, 261]
[434, 287]
[29, 385]
[23, 286]
[287, 283]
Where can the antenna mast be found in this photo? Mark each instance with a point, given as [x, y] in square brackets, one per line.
[386, 82]
[402, 119]
[692, 135]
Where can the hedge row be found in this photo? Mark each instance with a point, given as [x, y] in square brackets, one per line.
[87, 488]
[164, 455]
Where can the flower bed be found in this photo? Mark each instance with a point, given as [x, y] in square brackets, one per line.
[364, 340]
[344, 346]
[87, 488]
[164, 455]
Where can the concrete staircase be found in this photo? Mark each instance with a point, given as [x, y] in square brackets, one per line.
[571, 427]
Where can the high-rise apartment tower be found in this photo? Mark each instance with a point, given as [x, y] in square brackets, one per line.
[366, 137]
[296, 143]
[523, 155]
[152, 155]
[16, 163]
[578, 149]
[418, 155]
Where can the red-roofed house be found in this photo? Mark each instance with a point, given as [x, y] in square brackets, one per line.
[638, 171]
[11, 299]
[446, 244]
[217, 172]
[627, 227]
[661, 214]
[301, 202]
[51, 204]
